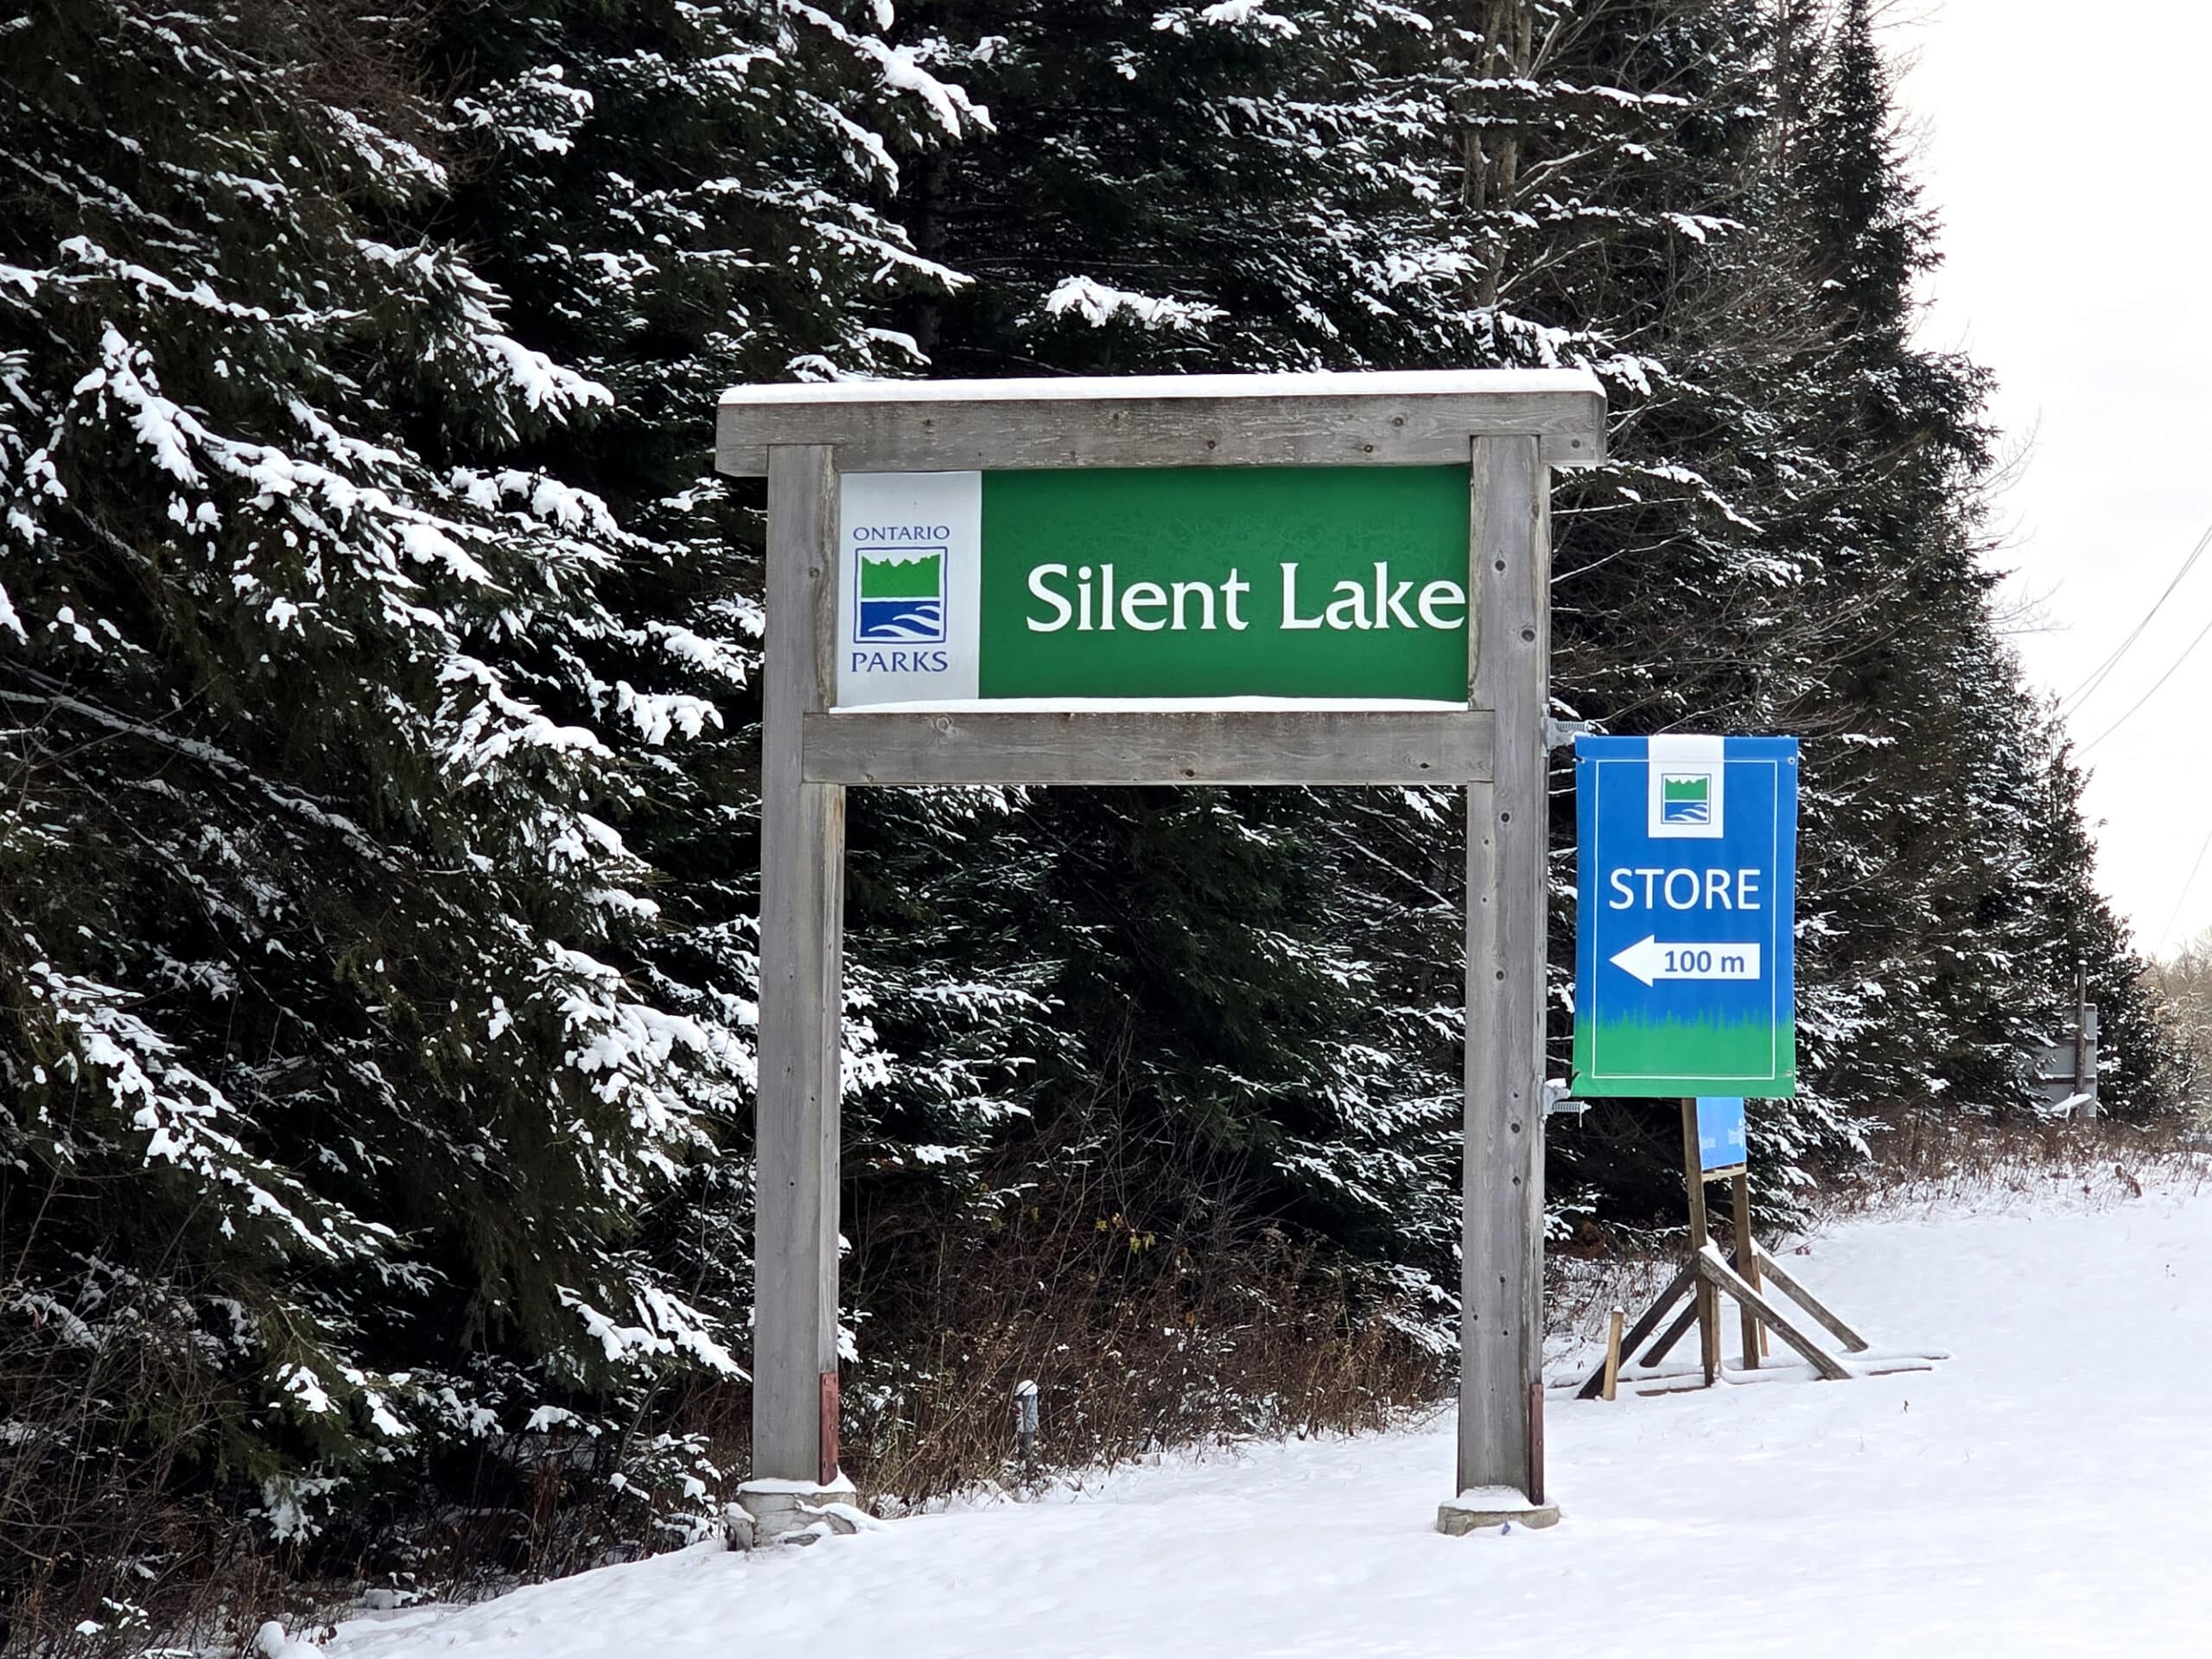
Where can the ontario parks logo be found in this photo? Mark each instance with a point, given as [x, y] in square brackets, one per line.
[900, 597]
[1686, 797]
[1687, 794]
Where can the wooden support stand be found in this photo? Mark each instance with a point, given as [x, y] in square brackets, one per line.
[1747, 1264]
[1693, 1295]
[1708, 1303]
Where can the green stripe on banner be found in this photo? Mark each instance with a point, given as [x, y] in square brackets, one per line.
[1658, 1057]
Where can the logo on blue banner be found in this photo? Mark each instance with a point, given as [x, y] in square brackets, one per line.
[1686, 797]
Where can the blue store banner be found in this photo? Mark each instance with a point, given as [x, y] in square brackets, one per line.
[1686, 883]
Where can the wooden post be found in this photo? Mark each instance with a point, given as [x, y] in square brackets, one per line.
[1708, 1304]
[2084, 1079]
[1536, 1420]
[1747, 1263]
[1613, 1354]
[801, 929]
[1502, 1268]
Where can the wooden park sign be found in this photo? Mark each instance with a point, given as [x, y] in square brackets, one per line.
[1166, 583]
[1304, 579]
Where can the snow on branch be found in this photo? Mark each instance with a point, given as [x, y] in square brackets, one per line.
[502, 363]
[947, 103]
[665, 1326]
[387, 156]
[717, 658]
[1701, 227]
[1251, 15]
[657, 715]
[183, 1117]
[536, 111]
[1097, 304]
[494, 726]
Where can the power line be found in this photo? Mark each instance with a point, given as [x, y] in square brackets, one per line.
[2185, 887]
[2088, 688]
[2152, 692]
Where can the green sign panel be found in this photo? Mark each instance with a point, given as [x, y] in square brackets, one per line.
[1327, 582]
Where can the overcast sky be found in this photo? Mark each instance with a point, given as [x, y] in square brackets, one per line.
[2067, 150]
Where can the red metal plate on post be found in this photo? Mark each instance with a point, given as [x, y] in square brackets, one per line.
[829, 1470]
[1536, 1442]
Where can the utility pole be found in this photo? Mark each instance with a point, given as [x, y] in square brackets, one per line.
[2085, 1079]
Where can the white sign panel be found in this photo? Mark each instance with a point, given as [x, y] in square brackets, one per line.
[909, 565]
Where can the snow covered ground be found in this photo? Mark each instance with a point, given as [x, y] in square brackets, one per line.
[2047, 1490]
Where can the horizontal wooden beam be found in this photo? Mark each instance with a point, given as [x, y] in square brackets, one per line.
[1233, 746]
[1288, 419]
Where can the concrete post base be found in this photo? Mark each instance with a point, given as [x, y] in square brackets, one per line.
[781, 1507]
[1487, 1508]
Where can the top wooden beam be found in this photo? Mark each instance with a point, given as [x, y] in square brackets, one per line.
[1410, 419]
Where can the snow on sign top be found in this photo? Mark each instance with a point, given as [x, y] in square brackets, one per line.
[1412, 418]
[1410, 383]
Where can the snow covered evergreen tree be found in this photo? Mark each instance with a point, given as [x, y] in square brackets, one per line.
[326, 1103]
[680, 201]
[1609, 167]
[1205, 187]
[1942, 805]
[1703, 203]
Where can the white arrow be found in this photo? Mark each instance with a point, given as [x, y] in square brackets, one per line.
[1650, 961]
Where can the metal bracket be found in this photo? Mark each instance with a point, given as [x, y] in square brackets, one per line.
[1558, 1102]
[1558, 734]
